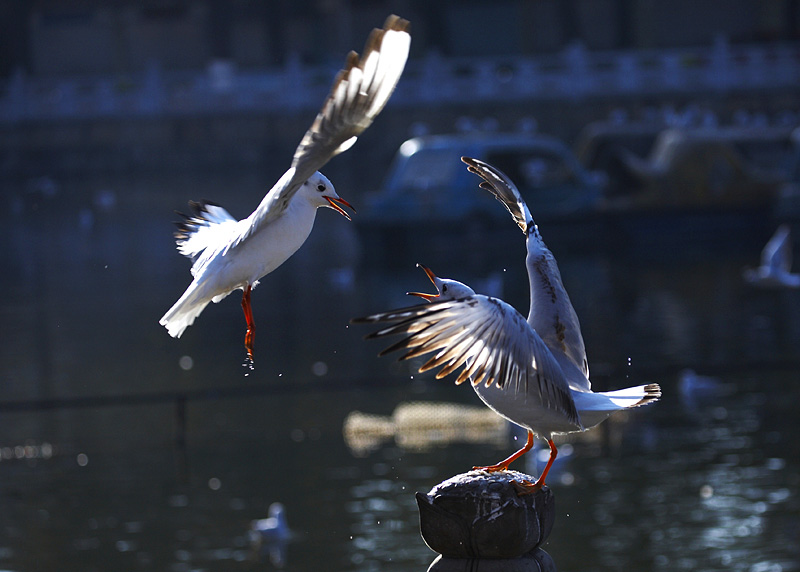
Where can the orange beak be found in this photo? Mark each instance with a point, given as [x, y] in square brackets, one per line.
[423, 295]
[335, 202]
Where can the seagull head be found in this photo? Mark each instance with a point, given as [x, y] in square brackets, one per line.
[324, 195]
[446, 289]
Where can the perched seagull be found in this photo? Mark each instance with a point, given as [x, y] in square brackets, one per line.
[776, 261]
[534, 373]
[230, 254]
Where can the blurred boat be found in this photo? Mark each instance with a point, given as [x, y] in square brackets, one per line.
[702, 185]
[420, 426]
[707, 168]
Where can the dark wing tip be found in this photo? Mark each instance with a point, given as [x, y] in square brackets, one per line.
[346, 112]
[397, 24]
[503, 189]
[652, 392]
[350, 62]
[201, 206]
[393, 23]
[190, 223]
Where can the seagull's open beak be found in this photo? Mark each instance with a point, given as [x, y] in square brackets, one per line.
[333, 202]
[423, 295]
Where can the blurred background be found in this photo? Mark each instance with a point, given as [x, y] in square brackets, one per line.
[657, 146]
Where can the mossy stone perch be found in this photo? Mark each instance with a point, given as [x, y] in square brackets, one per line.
[478, 521]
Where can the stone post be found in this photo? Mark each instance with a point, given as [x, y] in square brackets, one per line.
[478, 521]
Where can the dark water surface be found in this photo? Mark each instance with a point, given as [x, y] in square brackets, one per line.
[124, 449]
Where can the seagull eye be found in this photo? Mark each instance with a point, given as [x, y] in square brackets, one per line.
[321, 188]
[444, 288]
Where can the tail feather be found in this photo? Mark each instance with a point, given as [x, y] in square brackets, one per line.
[652, 392]
[595, 407]
[634, 396]
[183, 313]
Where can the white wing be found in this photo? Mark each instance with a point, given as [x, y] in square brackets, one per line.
[551, 314]
[489, 338]
[200, 233]
[359, 93]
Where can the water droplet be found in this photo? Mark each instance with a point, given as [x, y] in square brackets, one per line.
[319, 368]
[248, 364]
[214, 483]
[775, 464]
[186, 363]
[82, 459]
[126, 545]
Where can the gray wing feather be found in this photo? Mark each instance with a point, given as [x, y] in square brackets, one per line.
[488, 338]
[359, 93]
[503, 189]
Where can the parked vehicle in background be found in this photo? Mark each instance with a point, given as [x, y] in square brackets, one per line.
[787, 204]
[699, 184]
[708, 168]
[427, 181]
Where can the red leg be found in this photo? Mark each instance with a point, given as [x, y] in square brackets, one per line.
[526, 488]
[251, 325]
[503, 465]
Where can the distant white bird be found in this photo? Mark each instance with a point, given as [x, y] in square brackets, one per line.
[228, 254]
[274, 528]
[697, 390]
[269, 536]
[535, 372]
[776, 263]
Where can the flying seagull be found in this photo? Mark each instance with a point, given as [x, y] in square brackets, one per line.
[776, 263]
[229, 254]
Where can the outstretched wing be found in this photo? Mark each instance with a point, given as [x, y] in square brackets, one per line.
[504, 190]
[488, 338]
[359, 93]
[551, 315]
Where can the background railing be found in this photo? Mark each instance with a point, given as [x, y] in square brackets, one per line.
[574, 73]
